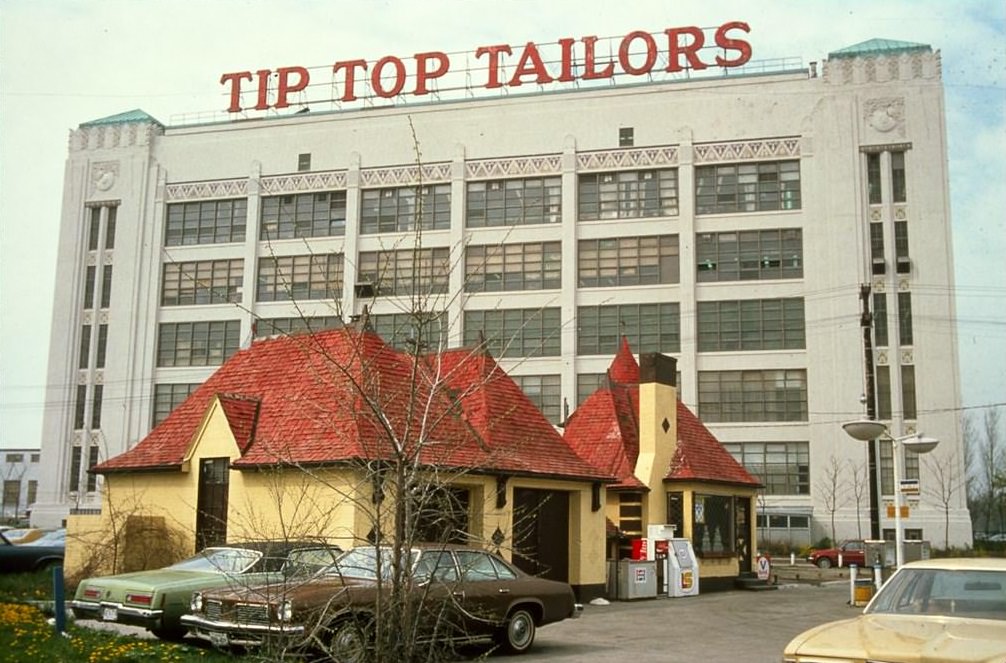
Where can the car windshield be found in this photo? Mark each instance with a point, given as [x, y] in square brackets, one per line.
[366, 563]
[943, 592]
[220, 560]
[308, 561]
[54, 538]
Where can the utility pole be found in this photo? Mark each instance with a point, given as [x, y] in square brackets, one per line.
[866, 322]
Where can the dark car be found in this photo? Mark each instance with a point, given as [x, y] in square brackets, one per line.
[851, 552]
[157, 598]
[16, 558]
[462, 595]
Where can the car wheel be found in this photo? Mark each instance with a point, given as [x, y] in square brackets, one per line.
[824, 562]
[350, 641]
[518, 634]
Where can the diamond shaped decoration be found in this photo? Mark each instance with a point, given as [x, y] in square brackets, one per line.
[666, 425]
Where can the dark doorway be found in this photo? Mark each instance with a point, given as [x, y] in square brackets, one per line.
[541, 532]
[211, 509]
[743, 533]
[441, 515]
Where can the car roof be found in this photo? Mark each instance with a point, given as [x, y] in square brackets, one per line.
[274, 547]
[960, 564]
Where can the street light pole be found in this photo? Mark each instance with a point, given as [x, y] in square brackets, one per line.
[867, 430]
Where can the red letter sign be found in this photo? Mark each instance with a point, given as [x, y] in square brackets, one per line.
[624, 50]
[235, 81]
[736, 44]
[422, 75]
[530, 64]
[494, 63]
[349, 89]
[690, 51]
[283, 88]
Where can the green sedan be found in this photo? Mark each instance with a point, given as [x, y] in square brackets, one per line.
[157, 599]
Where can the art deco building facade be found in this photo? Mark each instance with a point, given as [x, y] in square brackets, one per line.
[728, 221]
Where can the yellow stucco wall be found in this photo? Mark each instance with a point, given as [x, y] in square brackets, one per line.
[657, 403]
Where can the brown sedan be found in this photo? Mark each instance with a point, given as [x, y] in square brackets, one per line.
[458, 595]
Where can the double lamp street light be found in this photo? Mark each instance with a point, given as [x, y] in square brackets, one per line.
[867, 430]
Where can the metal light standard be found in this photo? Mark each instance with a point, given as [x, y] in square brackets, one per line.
[867, 430]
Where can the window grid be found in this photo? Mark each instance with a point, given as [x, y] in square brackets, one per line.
[905, 334]
[92, 460]
[295, 278]
[648, 328]
[80, 407]
[75, 460]
[102, 347]
[900, 239]
[85, 347]
[203, 282]
[782, 467]
[625, 261]
[516, 332]
[899, 192]
[747, 187]
[756, 395]
[110, 227]
[296, 325]
[908, 403]
[304, 215]
[106, 286]
[633, 194]
[880, 336]
[873, 178]
[169, 396]
[94, 228]
[514, 202]
[545, 391]
[500, 267]
[750, 255]
[402, 330]
[587, 384]
[206, 222]
[396, 209]
[751, 324]
[197, 343]
[406, 272]
[90, 279]
[883, 375]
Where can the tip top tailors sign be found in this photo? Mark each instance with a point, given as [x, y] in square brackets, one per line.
[679, 52]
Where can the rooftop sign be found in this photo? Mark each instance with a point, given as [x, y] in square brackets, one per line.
[499, 66]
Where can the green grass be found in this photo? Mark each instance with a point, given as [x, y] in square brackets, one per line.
[26, 635]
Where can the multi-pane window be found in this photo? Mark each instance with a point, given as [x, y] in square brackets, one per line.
[627, 261]
[85, 347]
[901, 247]
[648, 328]
[886, 467]
[514, 202]
[90, 278]
[782, 467]
[299, 277]
[80, 407]
[208, 343]
[905, 334]
[406, 272]
[751, 324]
[110, 228]
[899, 191]
[908, 403]
[587, 384]
[545, 391]
[169, 396]
[520, 332]
[75, 460]
[880, 319]
[203, 282]
[106, 286]
[284, 326]
[94, 228]
[630, 513]
[206, 222]
[883, 376]
[749, 255]
[102, 347]
[747, 187]
[398, 209]
[92, 460]
[713, 524]
[304, 215]
[633, 194]
[877, 247]
[528, 266]
[756, 395]
[873, 178]
[419, 331]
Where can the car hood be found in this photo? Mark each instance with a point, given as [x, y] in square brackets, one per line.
[162, 580]
[905, 639]
[319, 589]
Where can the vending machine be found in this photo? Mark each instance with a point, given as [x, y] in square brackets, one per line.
[684, 568]
[658, 549]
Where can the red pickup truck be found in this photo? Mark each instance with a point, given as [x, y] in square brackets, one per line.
[852, 552]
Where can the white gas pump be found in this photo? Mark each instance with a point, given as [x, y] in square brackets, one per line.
[684, 568]
[658, 549]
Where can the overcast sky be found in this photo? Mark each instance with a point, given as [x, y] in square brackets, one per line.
[66, 62]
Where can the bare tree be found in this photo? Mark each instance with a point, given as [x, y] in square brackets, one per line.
[991, 460]
[948, 481]
[859, 484]
[831, 488]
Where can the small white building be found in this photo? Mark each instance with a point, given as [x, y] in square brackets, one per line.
[732, 221]
[20, 471]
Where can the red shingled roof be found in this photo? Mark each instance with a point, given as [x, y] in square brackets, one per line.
[604, 431]
[344, 394]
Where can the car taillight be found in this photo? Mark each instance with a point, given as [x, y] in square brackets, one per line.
[92, 592]
[142, 599]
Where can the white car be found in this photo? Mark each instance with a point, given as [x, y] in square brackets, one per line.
[933, 611]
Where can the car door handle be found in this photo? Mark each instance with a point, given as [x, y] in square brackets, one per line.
[503, 590]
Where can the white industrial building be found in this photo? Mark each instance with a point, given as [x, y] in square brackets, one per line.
[729, 220]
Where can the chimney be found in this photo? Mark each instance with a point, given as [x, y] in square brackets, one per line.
[658, 430]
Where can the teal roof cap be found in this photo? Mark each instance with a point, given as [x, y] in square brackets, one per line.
[879, 47]
[135, 115]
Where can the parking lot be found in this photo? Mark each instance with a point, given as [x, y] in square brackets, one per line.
[723, 627]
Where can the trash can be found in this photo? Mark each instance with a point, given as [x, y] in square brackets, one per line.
[862, 591]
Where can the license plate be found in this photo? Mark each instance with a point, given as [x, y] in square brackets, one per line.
[218, 639]
[109, 614]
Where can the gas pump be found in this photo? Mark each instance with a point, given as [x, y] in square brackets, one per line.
[658, 549]
[684, 568]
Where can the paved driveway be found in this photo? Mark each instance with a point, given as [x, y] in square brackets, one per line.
[722, 627]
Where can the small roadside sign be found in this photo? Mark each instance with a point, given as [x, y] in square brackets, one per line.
[764, 567]
[909, 486]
